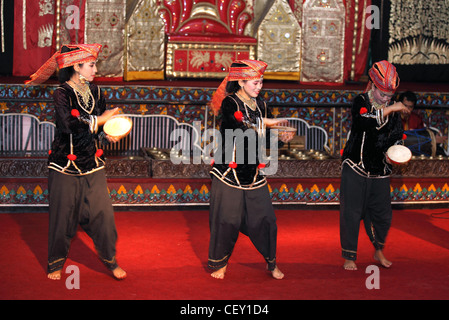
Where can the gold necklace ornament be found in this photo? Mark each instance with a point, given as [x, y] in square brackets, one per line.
[83, 95]
[373, 102]
[251, 103]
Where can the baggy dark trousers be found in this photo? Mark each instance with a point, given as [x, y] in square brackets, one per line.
[235, 210]
[366, 199]
[80, 200]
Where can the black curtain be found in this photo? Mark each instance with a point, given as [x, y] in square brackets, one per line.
[6, 55]
[407, 73]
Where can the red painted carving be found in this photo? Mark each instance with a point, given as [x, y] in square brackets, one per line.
[206, 22]
[203, 17]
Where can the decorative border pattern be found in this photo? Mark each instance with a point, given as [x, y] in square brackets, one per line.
[38, 100]
[196, 192]
[133, 183]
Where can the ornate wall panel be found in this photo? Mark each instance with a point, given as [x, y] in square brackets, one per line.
[145, 42]
[33, 30]
[195, 58]
[419, 32]
[105, 24]
[322, 58]
[296, 6]
[279, 42]
[414, 35]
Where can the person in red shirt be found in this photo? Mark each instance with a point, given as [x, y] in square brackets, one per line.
[412, 120]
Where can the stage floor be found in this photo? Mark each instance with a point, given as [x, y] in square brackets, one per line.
[165, 255]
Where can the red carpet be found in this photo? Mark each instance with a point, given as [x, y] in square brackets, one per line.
[165, 254]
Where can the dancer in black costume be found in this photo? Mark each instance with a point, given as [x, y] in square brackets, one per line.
[365, 182]
[78, 193]
[240, 200]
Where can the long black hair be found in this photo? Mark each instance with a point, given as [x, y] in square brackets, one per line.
[65, 74]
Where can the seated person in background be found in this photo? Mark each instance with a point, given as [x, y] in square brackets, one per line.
[412, 120]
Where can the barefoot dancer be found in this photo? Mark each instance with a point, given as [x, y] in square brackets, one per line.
[365, 182]
[240, 200]
[78, 192]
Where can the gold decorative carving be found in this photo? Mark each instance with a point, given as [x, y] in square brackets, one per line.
[223, 54]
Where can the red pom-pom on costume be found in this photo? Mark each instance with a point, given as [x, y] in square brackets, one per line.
[341, 152]
[232, 165]
[71, 157]
[261, 165]
[238, 115]
[49, 151]
[75, 113]
[363, 110]
[212, 162]
[404, 136]
[99, 153]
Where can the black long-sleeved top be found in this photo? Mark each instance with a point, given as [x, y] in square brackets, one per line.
[371, 136]
[243, 151]
[76, 146]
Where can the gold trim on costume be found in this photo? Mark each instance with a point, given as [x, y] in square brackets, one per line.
[219, 260]
[354, 38]
[85, 94]
[56, 261]
[3, 25]
[351, 251]
[24, 24]
[60, 169]
[253, 186]
[58, 23]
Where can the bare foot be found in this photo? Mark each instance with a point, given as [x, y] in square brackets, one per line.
[349, 265]
[379, 256]
[119, 273]
[220, 273]
[277, 274]
[55, 275]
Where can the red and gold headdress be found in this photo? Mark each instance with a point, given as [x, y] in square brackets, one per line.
[85, 53]
[384, 76]
[253, 70]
